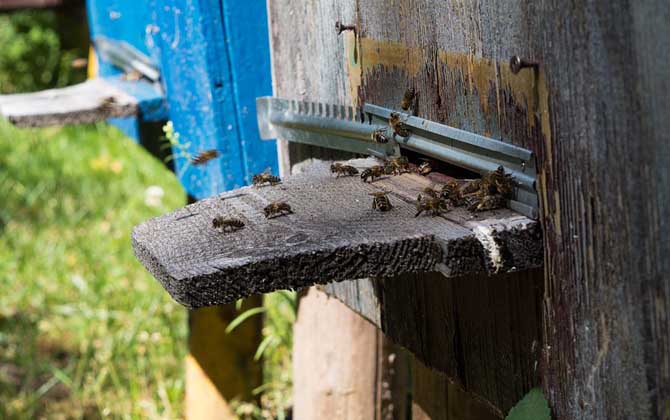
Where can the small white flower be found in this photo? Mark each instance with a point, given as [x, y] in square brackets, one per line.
[153, 196]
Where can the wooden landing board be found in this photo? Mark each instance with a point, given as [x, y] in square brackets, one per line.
[333, 235]
[82, 103]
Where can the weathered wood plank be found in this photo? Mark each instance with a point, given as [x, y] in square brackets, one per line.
[83, 103]
[333, 235]
[442, 322]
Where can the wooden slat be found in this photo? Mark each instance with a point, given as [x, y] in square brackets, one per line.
[81, 103]
[333, 235]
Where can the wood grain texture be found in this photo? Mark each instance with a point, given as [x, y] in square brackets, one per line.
[463, 81]
[491, 353]
[333, 235]
[78, 104]
[368, 381]
[595, 117]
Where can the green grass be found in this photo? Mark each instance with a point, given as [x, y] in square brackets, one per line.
[85, 332]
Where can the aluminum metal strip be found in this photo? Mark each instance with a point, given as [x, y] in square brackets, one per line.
[336, 127]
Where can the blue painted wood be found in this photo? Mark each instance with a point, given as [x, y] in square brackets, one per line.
[211, 86]
[128, 20]
[150, 97]
[214, 58]
[248, 43]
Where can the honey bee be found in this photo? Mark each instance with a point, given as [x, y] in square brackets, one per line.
[396, 165]
[276, 209]
[487, 202]
[472, 187]
[399, 128]
[381, 201]
[107, 102]
[379, 136]
[372, 172]
[435, 206]
[344, 170]
[408, 99]
[431, 192]
[502, 183]
[227, 224]
[425, 168]
[265, 178]
[452, 193]
[204, 157]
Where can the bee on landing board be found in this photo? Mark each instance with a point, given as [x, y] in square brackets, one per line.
[343, 170]
[227, 224]
[396, 166]
[487, 202]
[425, 168]
[431, 192]
[379, 136]
[107, 102]
[204, 157]
[372, 172]
[381, 201]
[276, 209]
[399, 128]
[408, 99]
[265, 178]
[434, 206]
[451, 192]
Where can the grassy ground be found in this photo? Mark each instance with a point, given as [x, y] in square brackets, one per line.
[85, 332]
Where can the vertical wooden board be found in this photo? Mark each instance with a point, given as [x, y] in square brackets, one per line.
[435, 397]
[220, 365]
[344, 367]
[309, 59]
[334, 361]
[606, 207]
[197, 78]
[248, 43]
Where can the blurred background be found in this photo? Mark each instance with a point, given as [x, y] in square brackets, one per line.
[85, 331]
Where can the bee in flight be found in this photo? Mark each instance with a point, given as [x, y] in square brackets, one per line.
[343, 170]
[379, 136]
[276, 209]
[204, 157]
[399, 128]
[372, 172]
[381, 201]
[433, 205]
[226, 224]
[396, 166]
[265, 178]
[408, 99]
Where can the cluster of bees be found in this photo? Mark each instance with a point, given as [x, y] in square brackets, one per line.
[488, 193]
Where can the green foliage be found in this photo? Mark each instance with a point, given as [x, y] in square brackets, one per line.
[280, 309]
[533, 406]
[85, 331]
[32, 56]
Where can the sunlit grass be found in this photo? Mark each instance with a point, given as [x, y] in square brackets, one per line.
[84, 330]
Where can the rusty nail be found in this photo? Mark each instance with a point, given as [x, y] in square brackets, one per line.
[341, 28]
[516, 64]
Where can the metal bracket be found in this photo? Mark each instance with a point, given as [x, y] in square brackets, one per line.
[339, 127]
[126, 57]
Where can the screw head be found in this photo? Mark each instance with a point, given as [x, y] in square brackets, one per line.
[515, 64]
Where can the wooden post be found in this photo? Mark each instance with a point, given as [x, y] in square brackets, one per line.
[343, 368]
[220, 366]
